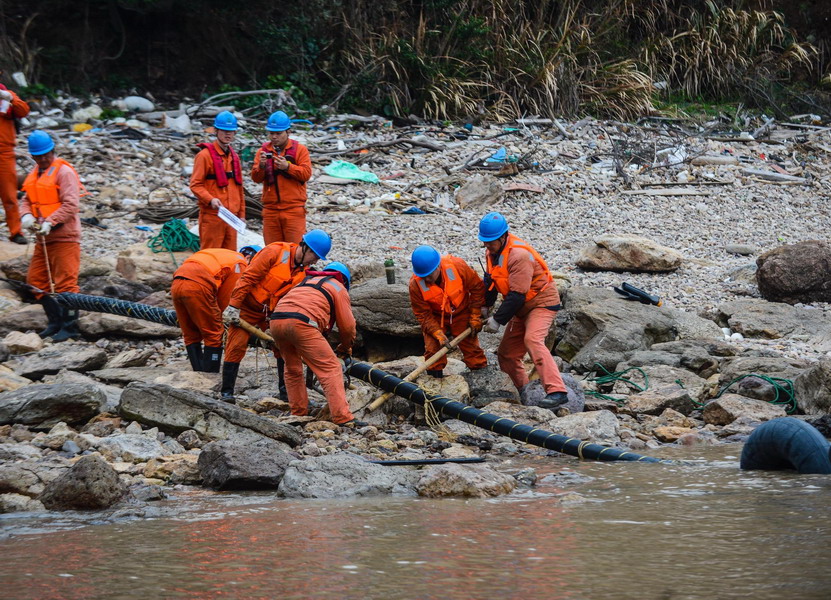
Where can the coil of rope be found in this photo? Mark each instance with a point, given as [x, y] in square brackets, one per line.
[163, 213]
[174, 237]
[609, 379]
[785, 395]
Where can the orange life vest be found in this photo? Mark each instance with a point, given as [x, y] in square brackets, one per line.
[279, 279]
[42, 190]
[450, 296]
[216, 259]
[499, 271]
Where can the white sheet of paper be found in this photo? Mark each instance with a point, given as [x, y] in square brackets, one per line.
[232, 219]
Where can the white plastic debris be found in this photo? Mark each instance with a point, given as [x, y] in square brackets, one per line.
[138, 104]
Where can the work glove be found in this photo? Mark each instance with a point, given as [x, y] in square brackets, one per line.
[27, 221]
[492, 326]
[343, 351]
[5, 95]
[475, 322]
[45, 228]
[441, 337]
[230, 316]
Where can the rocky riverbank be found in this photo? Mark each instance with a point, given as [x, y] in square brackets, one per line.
[699, 217]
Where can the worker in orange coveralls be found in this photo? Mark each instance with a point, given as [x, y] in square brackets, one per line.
[299, 326]
[447, 297]
[217, 181]
[50, 210]
[283, 166]
[272, 273]
[201, 290]
[11, 108]
[530, 302]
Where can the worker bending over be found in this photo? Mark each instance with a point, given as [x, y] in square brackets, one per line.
[201, 290]
[283, 166]
[272, 273]
[50, 210]
[530, 302]
[11, 107]
[299, 326]
[447, 297]
[217, 181]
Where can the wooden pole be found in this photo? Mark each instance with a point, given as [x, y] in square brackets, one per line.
[426, 365]
[255, 331]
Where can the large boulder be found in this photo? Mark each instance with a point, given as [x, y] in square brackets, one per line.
[23, 343]
[729, 407]
[601, 327]
[155, 270]
[41, 406]
[131, 447]
[127, 375]
[384, 308]
[28, 317]
[533, 394]
[174, 469]
[599, 426]
[533, 416]
[490, 385]
[467, 481]
[113, 286]
[232, 466]
[97, 325]
[75, 357]
[772, 320]
[812, 388]
[796, 273]
[91, 484]
[10, 503]
[626, 252]
[174, 411]
[478, 192]
[345, 475]
[655, 401]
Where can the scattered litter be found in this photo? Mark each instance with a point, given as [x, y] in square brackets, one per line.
[348, 170]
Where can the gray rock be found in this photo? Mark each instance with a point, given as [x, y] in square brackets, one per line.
[29, 317]
[624, 252]
[796, 273]
[729, 407]
[600, 327]
[467, 481]
[71, 448]
[812, 388]
[741, 249]
[42, 406]
[666, 378]
[15, 452]
[22, 343]
[112, 393]
[231, 466]
[533, 393]
[343, 476]
[599, 426]
[91, 484]
[490, 385]
[383, 308]
[96, 325]
[526, 477]
[655, 401]
[772, 320]
[10, 503]
[130, 358]
[131, 447]
[75, 357]
[175, 410]
[189, 439]
[784, 367]
[127, 375]
[533, 416]
[478, 192]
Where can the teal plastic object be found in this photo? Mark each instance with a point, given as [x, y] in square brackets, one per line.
[347, 170]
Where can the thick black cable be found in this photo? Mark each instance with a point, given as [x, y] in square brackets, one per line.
[114, 306]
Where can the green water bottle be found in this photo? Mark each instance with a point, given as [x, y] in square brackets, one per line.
[389, 268]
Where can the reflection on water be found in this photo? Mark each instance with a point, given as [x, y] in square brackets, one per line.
[608, 530]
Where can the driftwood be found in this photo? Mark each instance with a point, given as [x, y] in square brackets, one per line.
[421, 143]
[669, 192]
[715, 160]
[771, 176]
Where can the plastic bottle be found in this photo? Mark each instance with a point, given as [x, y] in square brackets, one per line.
[389, 268]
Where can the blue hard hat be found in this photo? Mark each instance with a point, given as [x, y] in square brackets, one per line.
[425, 259]
[492, 226]
[278, 121]
[40, 143]
[226, 121]
[318, 242]
[342, 269]
[249, 251]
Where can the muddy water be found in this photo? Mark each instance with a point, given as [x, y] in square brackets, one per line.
[588, 530]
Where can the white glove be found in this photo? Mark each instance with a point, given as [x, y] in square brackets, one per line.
[45, 228]
[230, 316]
[27, 221]
[5, 95]
[492, 326]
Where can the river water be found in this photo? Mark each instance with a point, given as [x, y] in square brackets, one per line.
[587, 530]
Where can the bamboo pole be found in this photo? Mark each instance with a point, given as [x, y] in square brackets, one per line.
[426, 365]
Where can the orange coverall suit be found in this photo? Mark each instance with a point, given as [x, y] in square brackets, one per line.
[304, 342]
[54, 196]
[8, 167]
[270, 275]
[284, 198]
[201, 290]
[452, 304]
[213, 231]
[520, 268]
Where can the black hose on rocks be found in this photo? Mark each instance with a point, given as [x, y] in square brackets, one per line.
[500, 425]
[115, 306]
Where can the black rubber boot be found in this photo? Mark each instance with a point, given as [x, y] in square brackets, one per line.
[554, 400]
[69, 326]
[281, 367]
[211, 359]
[437, 373]
[195, 355]
[229, 381]
[54, 314]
